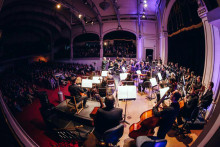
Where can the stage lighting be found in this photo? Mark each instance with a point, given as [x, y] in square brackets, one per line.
[58, 6]
[80, 16]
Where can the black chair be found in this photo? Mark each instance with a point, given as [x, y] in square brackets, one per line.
[151, 141]
[185, 129]
[111, 137]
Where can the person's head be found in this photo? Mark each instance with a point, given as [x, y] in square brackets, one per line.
[188, 70]
[198, 79]
[73, 80]
[211, 85]
[192, 73]
[109, 101]
[175, 96]
[128, 77]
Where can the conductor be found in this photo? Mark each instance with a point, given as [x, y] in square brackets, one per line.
[104, 63]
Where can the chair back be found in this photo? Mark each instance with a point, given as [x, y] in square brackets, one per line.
[147, 84]
[114, 134]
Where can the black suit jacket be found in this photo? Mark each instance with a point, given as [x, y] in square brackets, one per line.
[206, 99]
[168, 115]
[75, 90]
[107, 118]
[191, 105]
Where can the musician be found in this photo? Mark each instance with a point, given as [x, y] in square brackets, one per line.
[168, 115]
[107, 117]
[118, 59]
[147, 66]
[76, 91]
[144, 84]
[198, 84]
[104, 63]
[180, 74]
[187, 75]
[206, 99]
[190, 103]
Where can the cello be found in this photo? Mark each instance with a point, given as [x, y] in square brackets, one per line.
[146, 124]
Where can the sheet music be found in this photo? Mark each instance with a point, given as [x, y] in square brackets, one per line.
[138, 72]
[153, 82]
[123, 76]
[163, 91]
[127, 92]
[104, 73]
[159, 76]
[123, 69]
[86, 83]
[96, 80]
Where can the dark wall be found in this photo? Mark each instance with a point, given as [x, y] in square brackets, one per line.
[188, 49]
[22, 42]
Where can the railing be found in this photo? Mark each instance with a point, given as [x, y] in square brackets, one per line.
[16, 129]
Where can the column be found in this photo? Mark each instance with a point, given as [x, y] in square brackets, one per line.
[139, 51]
[164, 46]
[208, 30]
[101, 48]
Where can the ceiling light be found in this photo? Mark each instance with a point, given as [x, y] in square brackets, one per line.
[145, 1]
[104, 5]
[58, 6]
[145, 5]
[92, 22]
[80, 15]
[143, 16]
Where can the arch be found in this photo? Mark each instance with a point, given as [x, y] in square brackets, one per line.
[86, 45]
[120, 31]
[120, 43]
[115, 29]
[87, 32]
[166, 14]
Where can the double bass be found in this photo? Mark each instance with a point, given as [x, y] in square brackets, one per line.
[148, 121]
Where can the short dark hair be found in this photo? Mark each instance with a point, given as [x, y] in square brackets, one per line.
[177, 95]
[211, 84]
[110, 101]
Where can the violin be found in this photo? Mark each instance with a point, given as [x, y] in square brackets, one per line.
[146, 124]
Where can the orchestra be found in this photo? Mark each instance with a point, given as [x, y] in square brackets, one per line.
[184, 95]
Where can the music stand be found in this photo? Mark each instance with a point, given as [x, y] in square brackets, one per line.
[127, 92]
[86, 83]
[96, 80]
[153, 84]
[123, 76]
[159, 76]
[104, 73]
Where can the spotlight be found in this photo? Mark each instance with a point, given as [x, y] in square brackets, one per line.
[92, 22]
[145, 1]
[145, 5]
[58, 6]
[143, 16]
[105, 43]
[80, 15]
